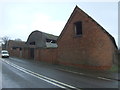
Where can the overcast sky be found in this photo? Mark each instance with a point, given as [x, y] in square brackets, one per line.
[19, 19]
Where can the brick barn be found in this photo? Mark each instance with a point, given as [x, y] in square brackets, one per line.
[39, 44]
[86, 44]
[83, 43]
[15, 48]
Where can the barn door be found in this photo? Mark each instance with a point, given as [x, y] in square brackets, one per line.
[32, 53]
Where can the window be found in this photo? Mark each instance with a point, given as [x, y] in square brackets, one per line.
[15, 48]
[32, 43]
[20, 48]
[78, 28]
[50, 41]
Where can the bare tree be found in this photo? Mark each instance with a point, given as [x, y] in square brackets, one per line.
[5, 40]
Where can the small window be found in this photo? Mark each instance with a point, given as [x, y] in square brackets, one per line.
[20, 48]
[50, 41]
[32, 43]
[53, 41]
[78, 28]
[15, 48]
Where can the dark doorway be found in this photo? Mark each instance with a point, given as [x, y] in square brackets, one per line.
[32, 53]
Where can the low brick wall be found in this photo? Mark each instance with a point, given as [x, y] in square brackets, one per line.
[15, 53]
[46, 55]
[25, 53]
[85, 66]
[50, 55]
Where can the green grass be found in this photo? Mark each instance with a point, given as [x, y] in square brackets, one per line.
[114, 68]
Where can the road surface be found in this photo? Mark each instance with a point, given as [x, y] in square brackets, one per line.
[20, 73]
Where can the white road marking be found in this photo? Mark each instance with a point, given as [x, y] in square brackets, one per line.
[104, 78]
[85, 74]
[47, 79]
[72, 71]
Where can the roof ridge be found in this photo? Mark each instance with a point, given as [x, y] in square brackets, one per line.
[44, 33]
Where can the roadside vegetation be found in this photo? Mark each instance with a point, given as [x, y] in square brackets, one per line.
[115, 68]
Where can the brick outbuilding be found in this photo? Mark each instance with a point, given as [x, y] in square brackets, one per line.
[41, 40]
[84, 43]
[38, 43]
[15, 48]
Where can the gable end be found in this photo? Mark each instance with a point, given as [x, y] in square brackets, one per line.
[72, 15]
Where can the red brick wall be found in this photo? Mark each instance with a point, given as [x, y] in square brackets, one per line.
[26, 53]
[15, 53]
[37, 54]
[93, 49]
[46, 55]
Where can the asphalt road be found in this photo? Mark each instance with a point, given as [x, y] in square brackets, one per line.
[18, 73]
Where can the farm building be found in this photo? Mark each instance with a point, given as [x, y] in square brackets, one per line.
[41, 40]
[38, 40]
[86, 44]
[83, 43]
[15, 47]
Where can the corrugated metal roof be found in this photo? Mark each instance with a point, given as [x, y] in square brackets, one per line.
[46, 35]
[50, 36]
